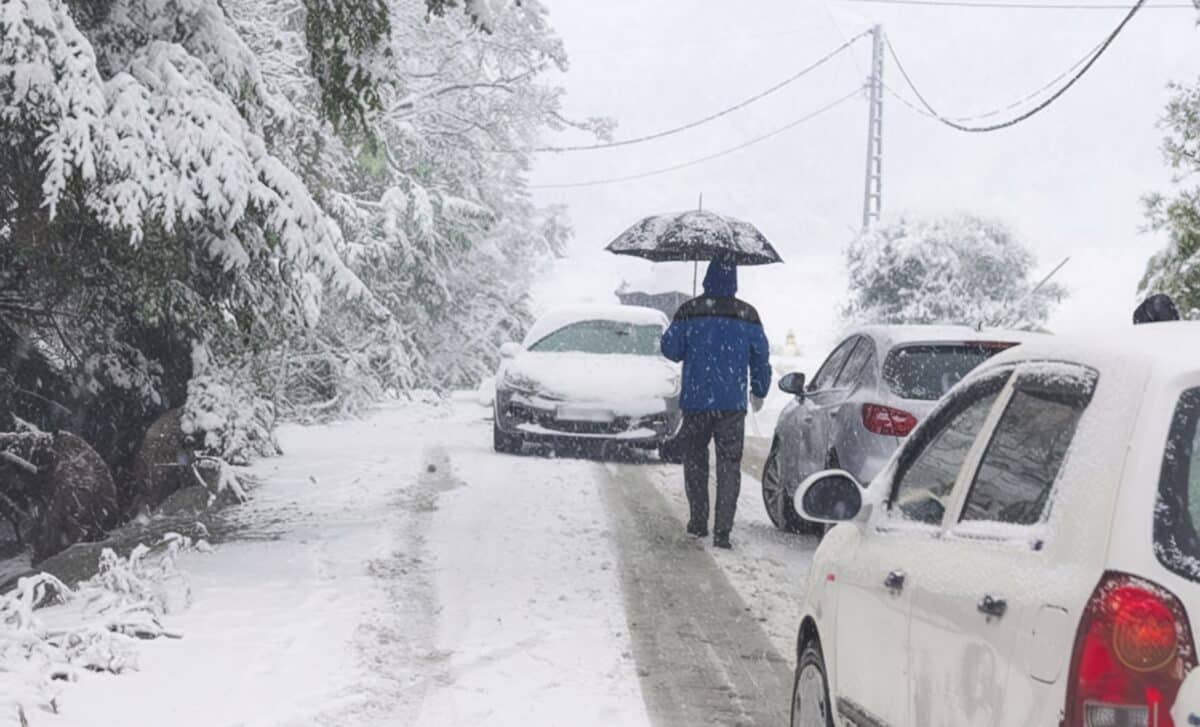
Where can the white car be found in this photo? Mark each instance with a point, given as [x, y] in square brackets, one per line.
[588, 375]
[1029, 557]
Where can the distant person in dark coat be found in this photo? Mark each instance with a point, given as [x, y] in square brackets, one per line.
[721, 343]
[1157, 308]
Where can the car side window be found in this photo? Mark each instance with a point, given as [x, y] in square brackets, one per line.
[931, 463]
[1027, 449]
[832, 366]
[856, 364]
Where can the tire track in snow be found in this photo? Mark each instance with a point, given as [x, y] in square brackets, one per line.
[702, 657]
[396, 644]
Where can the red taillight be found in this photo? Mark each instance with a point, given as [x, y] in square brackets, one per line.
[1133, 649]
[881, 419]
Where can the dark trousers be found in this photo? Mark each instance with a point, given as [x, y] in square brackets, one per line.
[727, 428]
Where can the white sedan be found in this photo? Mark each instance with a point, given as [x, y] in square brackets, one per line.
[588, 375]
[1029, 556]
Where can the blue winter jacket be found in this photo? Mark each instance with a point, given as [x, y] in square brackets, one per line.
[719, 339]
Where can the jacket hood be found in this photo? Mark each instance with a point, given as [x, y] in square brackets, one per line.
[721, 279]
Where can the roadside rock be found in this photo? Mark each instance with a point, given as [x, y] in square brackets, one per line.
[163, 464]
[82, 498]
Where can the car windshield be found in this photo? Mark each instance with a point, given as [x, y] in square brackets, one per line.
[602, 337]
[927, 372]
[1177, 516]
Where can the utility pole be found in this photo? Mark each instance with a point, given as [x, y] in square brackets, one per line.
[873, 193]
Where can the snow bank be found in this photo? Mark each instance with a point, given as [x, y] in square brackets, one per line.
[53, 633]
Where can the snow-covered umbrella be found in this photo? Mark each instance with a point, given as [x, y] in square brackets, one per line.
[695, 235]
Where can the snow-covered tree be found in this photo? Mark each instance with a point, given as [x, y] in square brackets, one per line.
[242, 206]
[961, 269]
[141, 212]
[431, 197]
[1176, 269]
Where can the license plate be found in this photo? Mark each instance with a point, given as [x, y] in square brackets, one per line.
[599, 416]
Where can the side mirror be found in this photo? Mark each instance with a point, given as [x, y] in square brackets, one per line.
[510, 350]
[832, 496]
[792, 384]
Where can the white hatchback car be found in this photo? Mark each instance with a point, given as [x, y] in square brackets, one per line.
[1029, 557]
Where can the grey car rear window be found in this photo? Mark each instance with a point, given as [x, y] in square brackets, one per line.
[1177, 515]
[602, 337]
[927, 372]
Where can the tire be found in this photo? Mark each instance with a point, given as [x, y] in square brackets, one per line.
[810, 690]
[505, 443]
[780, 508]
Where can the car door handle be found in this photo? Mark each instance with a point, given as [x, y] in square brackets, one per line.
[894, 581]
[993, 607]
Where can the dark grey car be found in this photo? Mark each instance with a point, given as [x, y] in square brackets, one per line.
[873, 389]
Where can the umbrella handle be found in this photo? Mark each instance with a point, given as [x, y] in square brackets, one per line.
[696, 263]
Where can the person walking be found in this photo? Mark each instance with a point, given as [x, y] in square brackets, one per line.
[721, 343]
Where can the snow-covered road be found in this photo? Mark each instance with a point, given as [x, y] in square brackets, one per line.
[401, 573]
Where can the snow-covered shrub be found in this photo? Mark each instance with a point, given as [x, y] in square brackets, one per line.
[227, 414]
[962, 269]
[94, 627]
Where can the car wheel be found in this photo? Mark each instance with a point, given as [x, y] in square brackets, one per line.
[776, 499]
[810, 692]
[505, 443]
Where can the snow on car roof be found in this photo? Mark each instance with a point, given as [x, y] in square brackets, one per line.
[1170, 348]
[890, 336]
[560, 317]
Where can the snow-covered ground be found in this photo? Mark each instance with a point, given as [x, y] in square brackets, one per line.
[395, 570]
[768, 568]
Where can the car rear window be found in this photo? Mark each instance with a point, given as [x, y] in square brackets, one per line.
[928, 371]
[602, 337]
[1177, 515]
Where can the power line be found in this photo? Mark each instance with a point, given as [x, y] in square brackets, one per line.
[676, 167]
[1036, 109]
[1009, 107]
[711, 117]
[1027, 5]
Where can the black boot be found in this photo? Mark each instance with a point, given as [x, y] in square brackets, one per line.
[721, 540]
[698, 529]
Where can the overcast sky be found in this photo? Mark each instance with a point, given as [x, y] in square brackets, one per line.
[1069, 181]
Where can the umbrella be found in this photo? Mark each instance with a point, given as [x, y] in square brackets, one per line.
[696, 235]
